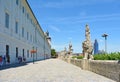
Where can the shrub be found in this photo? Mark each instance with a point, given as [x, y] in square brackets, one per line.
[78, 57]
[111, 56]
[74, 57]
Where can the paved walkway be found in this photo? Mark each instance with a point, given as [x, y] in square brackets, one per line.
[51, 70]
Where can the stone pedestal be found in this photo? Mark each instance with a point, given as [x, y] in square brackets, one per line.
[85, 56]
[85, 65]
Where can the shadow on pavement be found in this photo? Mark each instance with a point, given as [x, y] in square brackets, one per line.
[12, 66]
[19, 65]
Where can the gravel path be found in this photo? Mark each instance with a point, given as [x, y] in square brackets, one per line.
[51, 70]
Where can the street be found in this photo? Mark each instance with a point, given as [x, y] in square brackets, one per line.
[51, 70]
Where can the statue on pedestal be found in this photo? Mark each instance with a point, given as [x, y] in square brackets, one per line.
[65, 52]
[87, 45]
[70, 50]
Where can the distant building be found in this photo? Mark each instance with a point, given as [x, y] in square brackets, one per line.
[101, 52]
[96, 47]
[77, 54]
[20, 33]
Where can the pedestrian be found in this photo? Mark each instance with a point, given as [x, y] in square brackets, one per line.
[4, 59]
[8, 59]
[24, 59]
[1, 60]
[118, 61]
[19, 59]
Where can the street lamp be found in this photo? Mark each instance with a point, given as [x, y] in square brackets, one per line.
[36, 53]
[33, 55]
[105, 35]
[44, 46]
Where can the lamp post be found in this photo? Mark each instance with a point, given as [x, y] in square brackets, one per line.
[105, 35]
[44, 47]
[36, 53]
[33, 55]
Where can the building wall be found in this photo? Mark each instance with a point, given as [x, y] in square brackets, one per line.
[96, 47]
[33, 35]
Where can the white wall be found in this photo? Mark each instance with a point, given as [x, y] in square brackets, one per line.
[9, 37]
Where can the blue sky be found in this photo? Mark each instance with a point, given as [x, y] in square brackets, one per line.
[66, 19]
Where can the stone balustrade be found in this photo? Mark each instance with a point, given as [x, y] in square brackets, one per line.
[107, 68]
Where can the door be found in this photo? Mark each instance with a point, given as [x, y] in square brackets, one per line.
[7, 54]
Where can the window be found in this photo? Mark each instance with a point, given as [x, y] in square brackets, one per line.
[27, 16]
[17, 2]
[7, 50]
[28, 53]
[22, 32]
[31, 55]
[31, 38]
[23, 53]
[16, 52]
[7, 54]
[6, 20]
[23, 10]
[27, 35]
[31, 21]
[16, 27]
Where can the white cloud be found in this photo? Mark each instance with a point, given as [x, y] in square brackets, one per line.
[73, 3]
[83, 14]
[101, 40]
[74, 30]
[56, 29]
[80, 19]
[70, 38]
[59, 47]
[59, 4]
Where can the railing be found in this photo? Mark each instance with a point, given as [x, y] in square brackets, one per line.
[109, 69]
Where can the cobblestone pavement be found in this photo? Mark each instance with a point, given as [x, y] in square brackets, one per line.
[51, 70]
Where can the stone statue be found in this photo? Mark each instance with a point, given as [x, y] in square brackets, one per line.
[87, 45]
[65, 52]
[70, 50]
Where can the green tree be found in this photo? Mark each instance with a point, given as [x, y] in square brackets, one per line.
[53, 53]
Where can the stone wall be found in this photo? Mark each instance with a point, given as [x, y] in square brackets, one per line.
[110, 69]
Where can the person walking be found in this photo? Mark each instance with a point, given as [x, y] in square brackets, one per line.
[1, 61]
[19, 59]
[4, 59]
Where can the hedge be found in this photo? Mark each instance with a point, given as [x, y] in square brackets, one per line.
[111, 56]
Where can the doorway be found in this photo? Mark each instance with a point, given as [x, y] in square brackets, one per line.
[23, 53]
[7, 54]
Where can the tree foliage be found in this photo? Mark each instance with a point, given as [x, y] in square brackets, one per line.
[53, 53]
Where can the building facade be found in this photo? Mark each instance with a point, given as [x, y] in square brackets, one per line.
[96, 47]
[20, 32]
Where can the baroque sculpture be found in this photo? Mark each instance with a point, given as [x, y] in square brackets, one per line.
[87, 45]
[65, 53]
[70, 50]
